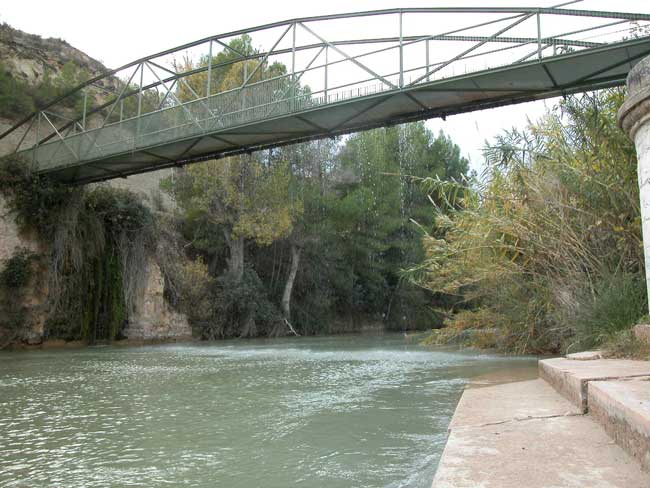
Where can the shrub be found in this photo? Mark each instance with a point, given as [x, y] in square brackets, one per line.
[550, 238]
[15, 101]
[241, 308]
[36, 201]
[615, 307]
[18, 270]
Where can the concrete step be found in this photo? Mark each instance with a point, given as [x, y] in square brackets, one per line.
[571, 378]
[526, 434]
[622, 408]
[512, 401]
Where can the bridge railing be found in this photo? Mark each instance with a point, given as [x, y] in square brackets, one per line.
[259, 101]
[321, 69]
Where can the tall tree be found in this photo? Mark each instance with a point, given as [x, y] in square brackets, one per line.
[243, 198]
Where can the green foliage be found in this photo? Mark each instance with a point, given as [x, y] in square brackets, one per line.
[616, 306]
[15, 101]
[121, 211]
[241, 308]
[349, 209]
[52, 87]
[17, 270]
[14, 279]
[238, 193]
[548, 238]
[19, 99]
[36, 201]
[98, 240]
[231, 75]
[381, 211]
[625, 344]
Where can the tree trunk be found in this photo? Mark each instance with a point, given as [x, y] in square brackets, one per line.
[249, 328]
[288, 287]
[236, 258]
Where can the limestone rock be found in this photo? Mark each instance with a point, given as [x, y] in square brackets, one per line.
[585, 355]
[153, 318]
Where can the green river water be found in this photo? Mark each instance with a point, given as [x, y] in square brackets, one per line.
[335, 412]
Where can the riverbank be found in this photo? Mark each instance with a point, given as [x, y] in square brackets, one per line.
[341, 327]
[583, 422]
[60, 344]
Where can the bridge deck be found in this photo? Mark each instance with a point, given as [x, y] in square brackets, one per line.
[268, 113]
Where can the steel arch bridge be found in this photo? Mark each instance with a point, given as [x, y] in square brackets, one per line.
[308, 81]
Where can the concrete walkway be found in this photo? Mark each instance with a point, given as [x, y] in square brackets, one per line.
[526, 434]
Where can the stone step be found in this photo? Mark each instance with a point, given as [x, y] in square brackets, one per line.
[622, 408]
[571, 378]
[585, 355]
[526, 434]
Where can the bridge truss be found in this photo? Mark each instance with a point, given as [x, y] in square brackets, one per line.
[308, 79]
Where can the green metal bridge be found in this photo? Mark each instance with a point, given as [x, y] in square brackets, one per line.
[308, 79]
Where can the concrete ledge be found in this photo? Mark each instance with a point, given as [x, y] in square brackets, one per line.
[571, 378]
[622, 408]
[526, 435]
[509, 402]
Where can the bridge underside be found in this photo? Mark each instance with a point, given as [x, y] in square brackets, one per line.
[574, 72]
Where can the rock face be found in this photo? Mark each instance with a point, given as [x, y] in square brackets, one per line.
[28, 57]
[153, 318]
[35, 299]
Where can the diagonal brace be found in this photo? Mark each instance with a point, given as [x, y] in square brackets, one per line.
[348, 57]
[473, 48]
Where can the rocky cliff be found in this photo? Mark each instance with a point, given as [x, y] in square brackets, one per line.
[28, 58]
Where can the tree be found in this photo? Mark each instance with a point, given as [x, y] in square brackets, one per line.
[231, 75]
[243, 198]
[308, 165]
[382, 209]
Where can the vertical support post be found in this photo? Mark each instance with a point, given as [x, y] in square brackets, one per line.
[293, 68]
[243, 89]
[140, 89]
[83, 117]
[38, 140]
[327, 55]
[121, 110]
[539, 36]
[634, 119]
[401, 51]
[427, 56]
[207, 86]
[137, 124]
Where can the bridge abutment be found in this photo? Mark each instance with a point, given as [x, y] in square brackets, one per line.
[634, 119]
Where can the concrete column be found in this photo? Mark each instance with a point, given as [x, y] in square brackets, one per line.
[634, 119]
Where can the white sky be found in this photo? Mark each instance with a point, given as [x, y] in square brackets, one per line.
[120, 31]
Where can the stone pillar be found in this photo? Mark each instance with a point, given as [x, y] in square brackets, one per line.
[634, 119]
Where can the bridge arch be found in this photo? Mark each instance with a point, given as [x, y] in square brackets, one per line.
[157, 111]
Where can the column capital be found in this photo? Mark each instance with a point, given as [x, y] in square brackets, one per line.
[635, 111]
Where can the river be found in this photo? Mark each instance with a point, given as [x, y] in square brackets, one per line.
[335, 412]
